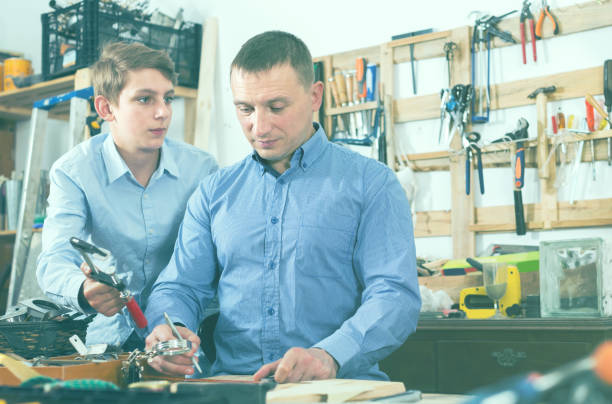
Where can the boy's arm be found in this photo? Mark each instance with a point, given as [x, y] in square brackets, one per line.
[57, 269]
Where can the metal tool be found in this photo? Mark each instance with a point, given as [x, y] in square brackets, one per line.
[484, 29]
[526, 15]
[545, 12]
[590, 120]
[519, 174]
[180, 338]
[473, 150]
[109, 279]
[407, 35]
[449, 53]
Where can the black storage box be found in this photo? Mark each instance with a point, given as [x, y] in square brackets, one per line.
[73, 37]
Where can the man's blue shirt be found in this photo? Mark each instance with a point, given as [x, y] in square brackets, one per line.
[94, 196]
[320, 256]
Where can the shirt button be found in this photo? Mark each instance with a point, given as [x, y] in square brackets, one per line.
[147, 261]
[145, 196]
[272, 265]
[271, 311]
[271, 358]
[305, 165]
[274, 220]
[151, 231]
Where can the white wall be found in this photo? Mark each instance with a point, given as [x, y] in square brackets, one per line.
[337, 26]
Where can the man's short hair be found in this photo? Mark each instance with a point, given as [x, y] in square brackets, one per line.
[109, 73]
[273, 48]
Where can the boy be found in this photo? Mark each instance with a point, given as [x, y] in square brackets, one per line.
[124, 191]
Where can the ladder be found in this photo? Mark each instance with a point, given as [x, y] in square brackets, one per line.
[79, 108]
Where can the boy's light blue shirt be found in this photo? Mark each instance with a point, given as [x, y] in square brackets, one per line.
[94, 196]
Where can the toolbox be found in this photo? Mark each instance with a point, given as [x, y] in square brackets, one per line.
[72, 38]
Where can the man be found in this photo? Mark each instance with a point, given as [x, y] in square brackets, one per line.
[125, 191]
[308, 245]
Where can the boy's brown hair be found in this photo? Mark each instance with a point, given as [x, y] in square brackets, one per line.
[109, 73]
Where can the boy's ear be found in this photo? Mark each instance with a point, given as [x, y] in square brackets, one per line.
[104, 108]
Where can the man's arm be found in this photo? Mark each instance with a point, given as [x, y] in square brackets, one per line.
[385, 265]
[186, 286]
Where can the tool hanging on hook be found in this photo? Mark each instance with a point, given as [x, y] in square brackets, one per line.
[407, 35]
[449, 52]
[526, 15]
[484, 28]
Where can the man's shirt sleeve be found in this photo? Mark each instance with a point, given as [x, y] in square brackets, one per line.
[384, 262]
[186, 286]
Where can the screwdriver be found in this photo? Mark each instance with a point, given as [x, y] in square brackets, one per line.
[180, 338]
[590, 118]
[594, 104]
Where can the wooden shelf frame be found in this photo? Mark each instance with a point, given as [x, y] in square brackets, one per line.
[16, 105]
[464, 220]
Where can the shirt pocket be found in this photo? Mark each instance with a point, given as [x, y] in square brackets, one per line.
[325, 244]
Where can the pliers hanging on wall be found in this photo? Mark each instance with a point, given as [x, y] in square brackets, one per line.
[472, 149]
[545, 12]
[526, 15]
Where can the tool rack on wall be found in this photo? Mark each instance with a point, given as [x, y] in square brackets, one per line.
[464, 220]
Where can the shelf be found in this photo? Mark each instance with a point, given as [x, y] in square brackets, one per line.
[17, 105]
[366, 106]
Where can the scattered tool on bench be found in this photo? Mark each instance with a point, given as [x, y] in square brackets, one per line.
[526, 15]
[484, 29]
[545, 12]
[109, 279]
[471, 150]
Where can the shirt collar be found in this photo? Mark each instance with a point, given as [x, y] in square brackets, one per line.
[116, 166]
[305, 155]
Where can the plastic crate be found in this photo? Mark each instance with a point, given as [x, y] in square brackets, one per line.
[73, 37]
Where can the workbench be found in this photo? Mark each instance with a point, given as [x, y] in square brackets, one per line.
[459, 355]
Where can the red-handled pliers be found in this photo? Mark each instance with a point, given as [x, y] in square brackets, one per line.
[526, 15]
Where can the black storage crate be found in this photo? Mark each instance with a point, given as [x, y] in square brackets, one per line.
[73, 37]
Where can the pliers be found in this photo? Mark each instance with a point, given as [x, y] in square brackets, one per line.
[544, 12]
[471, 150]
[526, 15]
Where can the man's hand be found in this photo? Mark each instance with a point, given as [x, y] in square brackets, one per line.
[176, 365]
[299, 364]
[102, 298]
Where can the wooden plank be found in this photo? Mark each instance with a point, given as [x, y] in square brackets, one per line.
[7, 140]
[586, 213]
[419, 39]
[353, 108]
[462, 213]
[572, 19]
[416, 108]
[190, 118]
[346, 60]
[386, 91]
[432, 223]
[572, 84]
[206, 86]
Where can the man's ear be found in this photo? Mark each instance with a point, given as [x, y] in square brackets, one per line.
[316, 92]
[104, 108]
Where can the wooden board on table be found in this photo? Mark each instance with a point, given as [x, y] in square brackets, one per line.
[333, 391]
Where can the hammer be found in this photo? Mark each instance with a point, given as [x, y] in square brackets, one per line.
[540, 96]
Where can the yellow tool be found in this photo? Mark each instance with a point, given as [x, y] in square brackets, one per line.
[477, 305]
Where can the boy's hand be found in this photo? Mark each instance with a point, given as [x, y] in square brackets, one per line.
[102, 298]
[175, 365]
[300, 364]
